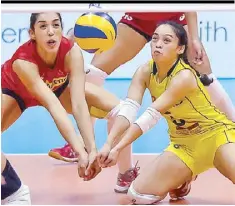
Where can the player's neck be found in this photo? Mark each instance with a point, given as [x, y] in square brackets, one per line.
[48, 58]
[163, 68]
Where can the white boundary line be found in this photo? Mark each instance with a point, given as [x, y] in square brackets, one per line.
[115, 7]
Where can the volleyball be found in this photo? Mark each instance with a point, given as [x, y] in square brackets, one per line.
[95, 32]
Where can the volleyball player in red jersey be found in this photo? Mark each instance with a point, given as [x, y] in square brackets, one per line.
[134, 30]
[38, 74]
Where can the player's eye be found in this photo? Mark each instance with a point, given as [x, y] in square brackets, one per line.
[154, 37]
[56, 25]
[43, 26]
[167, 40]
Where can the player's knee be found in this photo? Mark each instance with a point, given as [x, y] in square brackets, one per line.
[114, 112]
[95, 75]
[11, 181]
[143, 199]
[13, 192]
[20, 197]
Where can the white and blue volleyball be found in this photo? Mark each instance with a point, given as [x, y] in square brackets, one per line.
[95, 32]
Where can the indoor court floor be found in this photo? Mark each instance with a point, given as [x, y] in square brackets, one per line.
[57, 183]
[53, 182]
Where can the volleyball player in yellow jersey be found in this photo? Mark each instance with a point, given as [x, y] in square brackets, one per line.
[201, 137]
[133, 32]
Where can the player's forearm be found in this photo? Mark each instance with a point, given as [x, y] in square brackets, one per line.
[80, 110]
[191, 18]
[121, 124]
[83, 120]
[145, 122]
[127, 115]
[65, 127]
[131, 135]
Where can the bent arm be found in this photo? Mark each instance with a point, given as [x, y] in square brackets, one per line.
[182, 85]
[130, 106]
[29, 75]
[75, 63]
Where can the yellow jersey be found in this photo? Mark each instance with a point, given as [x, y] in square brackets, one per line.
[195, 114]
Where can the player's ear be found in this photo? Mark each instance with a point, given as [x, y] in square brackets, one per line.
[181, 49]
[32, 34]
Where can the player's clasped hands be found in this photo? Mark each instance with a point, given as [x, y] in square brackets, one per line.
[88, 167]
[107, 157]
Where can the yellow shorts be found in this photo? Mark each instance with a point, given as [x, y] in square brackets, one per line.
[98, 113]
[198, 153]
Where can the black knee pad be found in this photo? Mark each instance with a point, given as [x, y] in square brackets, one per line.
[12, 180]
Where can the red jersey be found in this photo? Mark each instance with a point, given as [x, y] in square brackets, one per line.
[54, 77]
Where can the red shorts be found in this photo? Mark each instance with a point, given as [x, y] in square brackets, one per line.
[145, 23]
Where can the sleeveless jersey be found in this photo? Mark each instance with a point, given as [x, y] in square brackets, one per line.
[195, 114]
[54, 77]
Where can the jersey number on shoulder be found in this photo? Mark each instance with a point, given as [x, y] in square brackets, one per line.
[182, 17]
[127, 17]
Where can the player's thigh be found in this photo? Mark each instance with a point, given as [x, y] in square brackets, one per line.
[10, 111]
[165, 173]
[205, 67]
[65, 100]
[127, 45]
[224, 159]
[95, 96]
[100, 98]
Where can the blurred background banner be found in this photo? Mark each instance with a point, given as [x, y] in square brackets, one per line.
[216, 30]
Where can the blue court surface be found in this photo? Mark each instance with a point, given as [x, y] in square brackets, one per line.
[35, 131]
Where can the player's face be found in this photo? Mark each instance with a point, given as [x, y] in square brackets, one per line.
[48, 31]
[164, 44]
